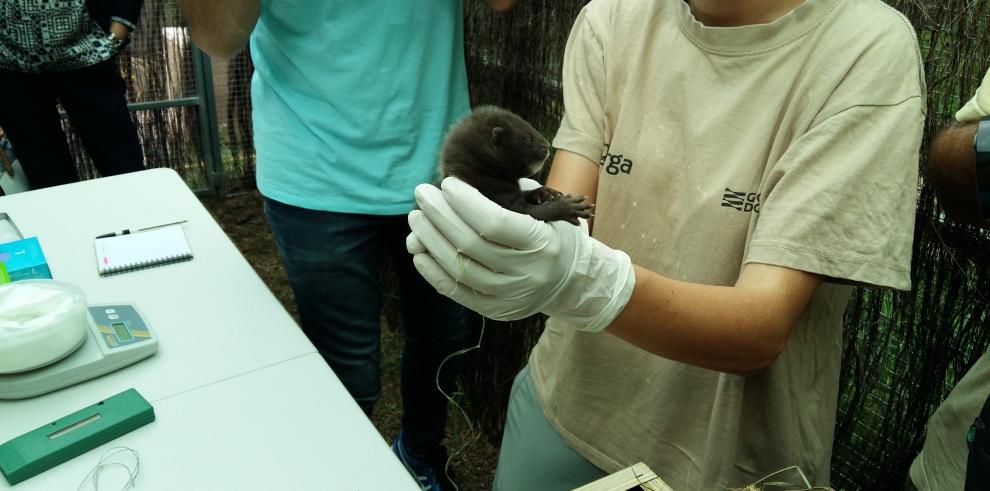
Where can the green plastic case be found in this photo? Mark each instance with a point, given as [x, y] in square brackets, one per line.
[43, 448]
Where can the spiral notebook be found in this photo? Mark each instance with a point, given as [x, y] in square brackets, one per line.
[139, 250]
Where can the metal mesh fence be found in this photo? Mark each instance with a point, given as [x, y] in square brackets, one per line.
[170, 137]
[158, 63]
[158, 66]
[232, 84]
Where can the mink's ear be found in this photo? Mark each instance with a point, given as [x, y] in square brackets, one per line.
[497, 133]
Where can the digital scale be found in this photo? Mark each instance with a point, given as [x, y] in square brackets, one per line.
[117, 336]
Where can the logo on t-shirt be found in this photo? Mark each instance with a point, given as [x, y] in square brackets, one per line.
[615, 163]
[741, 200]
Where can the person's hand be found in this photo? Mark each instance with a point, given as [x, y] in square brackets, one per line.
[509, 266]
[979, 106]
[119, 30]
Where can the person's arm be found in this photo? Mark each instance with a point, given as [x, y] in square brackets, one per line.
[575, 175]
[952, 169]
[221, 28]
[737, 329]
[508, 266]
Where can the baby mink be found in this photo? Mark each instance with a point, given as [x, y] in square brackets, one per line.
[491, 149]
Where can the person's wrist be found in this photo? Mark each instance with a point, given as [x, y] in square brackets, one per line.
[119, 30]
[598, 286]
[623, 280]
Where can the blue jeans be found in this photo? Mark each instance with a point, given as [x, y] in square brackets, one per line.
[334, 264]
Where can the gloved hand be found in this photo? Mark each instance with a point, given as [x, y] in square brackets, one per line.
[979, 106]
[508, 266]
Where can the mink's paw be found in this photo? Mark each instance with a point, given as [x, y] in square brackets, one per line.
[568, 208]
[576, 208]
[542, 195]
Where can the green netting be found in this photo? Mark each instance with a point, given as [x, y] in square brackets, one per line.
[905, 351]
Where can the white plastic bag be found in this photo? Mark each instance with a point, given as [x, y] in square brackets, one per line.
[41, 321]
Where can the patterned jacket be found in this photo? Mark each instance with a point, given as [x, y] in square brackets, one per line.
[40, 36]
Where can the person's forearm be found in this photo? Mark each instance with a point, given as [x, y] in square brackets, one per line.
[737, 329]
[952, 169]
[729, 329]
[221, 27]
[575, 175]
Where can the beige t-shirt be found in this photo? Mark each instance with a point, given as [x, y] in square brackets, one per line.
[793, 143]
[941, 465]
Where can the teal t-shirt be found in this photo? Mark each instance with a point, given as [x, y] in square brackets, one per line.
[351, 99]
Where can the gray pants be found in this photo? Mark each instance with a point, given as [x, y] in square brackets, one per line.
[533, 455]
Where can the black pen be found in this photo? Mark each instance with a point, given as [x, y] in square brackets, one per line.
[129, 231]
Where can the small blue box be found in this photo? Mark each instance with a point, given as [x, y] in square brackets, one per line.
[23, 260]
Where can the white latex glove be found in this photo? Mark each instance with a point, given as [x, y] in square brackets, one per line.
[979, 106]
[509, 266]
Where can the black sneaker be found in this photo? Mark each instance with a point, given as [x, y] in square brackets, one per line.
[438, 462]
[429, 470]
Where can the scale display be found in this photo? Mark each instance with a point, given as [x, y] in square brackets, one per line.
[119, 325]
[118, 336]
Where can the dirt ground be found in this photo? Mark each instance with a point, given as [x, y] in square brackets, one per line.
[241, 218]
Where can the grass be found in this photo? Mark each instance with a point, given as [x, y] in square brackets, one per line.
[242, 220]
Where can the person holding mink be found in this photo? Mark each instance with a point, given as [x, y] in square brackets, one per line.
[750, 162]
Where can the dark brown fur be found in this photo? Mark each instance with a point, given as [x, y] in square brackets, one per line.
[491, 149]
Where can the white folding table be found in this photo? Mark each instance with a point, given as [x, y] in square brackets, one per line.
[243, 400]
